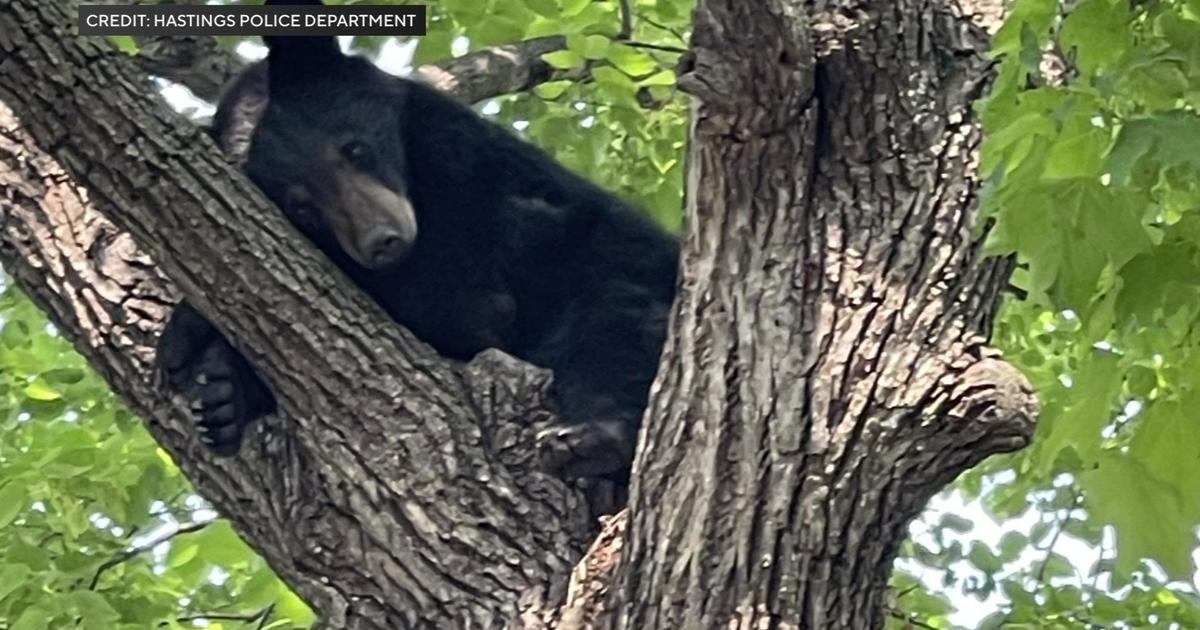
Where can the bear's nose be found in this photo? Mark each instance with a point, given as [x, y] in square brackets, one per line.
[386, 247]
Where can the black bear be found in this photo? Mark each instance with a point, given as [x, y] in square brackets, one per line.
[462, 232]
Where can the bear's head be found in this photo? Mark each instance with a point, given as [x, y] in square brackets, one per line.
[326, 148]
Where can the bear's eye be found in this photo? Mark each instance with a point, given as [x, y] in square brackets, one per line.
[357, 153]
[304, 212]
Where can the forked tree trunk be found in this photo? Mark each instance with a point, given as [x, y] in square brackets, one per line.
[826, 371]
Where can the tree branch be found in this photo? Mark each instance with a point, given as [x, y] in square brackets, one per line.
[261, 616]
[143, 548]
[492, 72]
[626, 21]
[395, 489]
[204, 67]
[911, 620]
[197, 62]
[658, 47]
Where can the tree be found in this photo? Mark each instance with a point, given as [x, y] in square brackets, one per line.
[827, 370]
[865, 455]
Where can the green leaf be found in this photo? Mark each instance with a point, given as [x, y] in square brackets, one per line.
[571, 8]
[1033, 15]
[63, 376]
[1161, 85]
[496, 30]
[593, 47]
[612, 77]
[983, 558]
[1170, 138]
[292, 607]
[33, 618]
[1134, 141]
[40, 390]
[1017, 594]
[92, 607]
[616, 85]
[14, 497]
[1148, 514]
[1078, 152]
[552, 89]
[183, 550]
[125, 44]
[33, 557]
[1092, 399]
[1003, 144]
[630, 60]
[1149, 280]
[261, 589]
[666, 77]
[12, 577]
[14, 333]
[564, 59]
[547, 8]
[1039, 532]
[467, 13]
[955, 523]
[433, 47]
[220, 544]
[1056, 566]
[1097, 32]
[1011, 545]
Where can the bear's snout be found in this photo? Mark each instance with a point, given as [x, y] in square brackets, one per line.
[385, 246]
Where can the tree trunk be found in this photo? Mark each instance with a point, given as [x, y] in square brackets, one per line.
[826, 371]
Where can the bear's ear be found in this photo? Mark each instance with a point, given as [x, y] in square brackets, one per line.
[292, 59]
[241, 108]
[296, 59]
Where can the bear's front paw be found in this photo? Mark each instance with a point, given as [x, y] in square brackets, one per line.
[590, 449]
[224, 392]
[222, 406]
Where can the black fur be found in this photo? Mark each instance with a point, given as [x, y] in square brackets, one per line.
[512, 251]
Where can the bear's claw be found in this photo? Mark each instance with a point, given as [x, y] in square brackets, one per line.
[590, 449]
[202, 366]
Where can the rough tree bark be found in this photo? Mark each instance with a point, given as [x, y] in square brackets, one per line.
[826, 371]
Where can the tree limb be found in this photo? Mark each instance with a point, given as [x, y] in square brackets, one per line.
[196, 62]
[492, 72]
[261, 616]
[135, 550]
[395, 489]
[205, 67]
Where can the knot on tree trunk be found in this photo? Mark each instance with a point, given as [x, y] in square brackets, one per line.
[998, 403]
[982, 406]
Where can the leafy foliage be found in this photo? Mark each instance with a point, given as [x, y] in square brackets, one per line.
[625, 111]
[1092, 155]
[98, 529]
